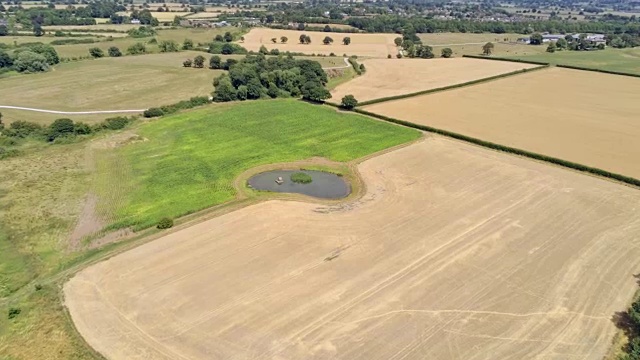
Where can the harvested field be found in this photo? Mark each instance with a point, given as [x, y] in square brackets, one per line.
[555, 112]
[489, 257]
[391, 77]
[371, 45]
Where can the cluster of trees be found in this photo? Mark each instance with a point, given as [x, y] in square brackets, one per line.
[622, 41]
[34, 18]
[60, 128]
[412, 47]
[631, 323]
[113, 51]
[142, 31]
[36, 57]
[571, 43]
[256, 77]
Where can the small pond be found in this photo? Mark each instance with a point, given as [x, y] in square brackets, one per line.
[324, 185]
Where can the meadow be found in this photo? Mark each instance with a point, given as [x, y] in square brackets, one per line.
[622, 60]
[192, 158]
[555, 112]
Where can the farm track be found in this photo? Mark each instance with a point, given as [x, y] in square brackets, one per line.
[71, 112]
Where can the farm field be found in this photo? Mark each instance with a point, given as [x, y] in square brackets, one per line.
[526, 112]
[102, 27]
[12, 40]
[391, 77]
[371, 45]
[622, 60]
[192, 158]
[338, 26]
[489, 257]
[466, 38]
[131, 82]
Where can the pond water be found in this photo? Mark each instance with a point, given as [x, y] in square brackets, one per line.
[324, 185]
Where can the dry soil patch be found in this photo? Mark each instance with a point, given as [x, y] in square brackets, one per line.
[580, 116]
[455, 252]
[391, 77]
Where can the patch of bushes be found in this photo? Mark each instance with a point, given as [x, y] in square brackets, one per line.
[507, 149]
[72, 41]
[170, 109]
[36, 57]
[597, 70]
[142, 31]
[354, 64]
[165, 223]
[506, 59]
[301, 178]
[225, 48]
[473, 82]
[13, 312]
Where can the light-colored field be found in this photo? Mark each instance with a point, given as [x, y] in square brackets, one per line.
[13, 40]
[580, 116]
[391, 77]
[371, 45]
[489, 257]
[131, 82]
[465, 38]
[116, 27]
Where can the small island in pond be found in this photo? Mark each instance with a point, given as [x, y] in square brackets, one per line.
[301, 178]
[318, 184]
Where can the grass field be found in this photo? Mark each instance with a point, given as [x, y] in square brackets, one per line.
[455, 252]
[584, 117]
[17, 40]
[623, 60]
[391, 77]
[131, 82]
[191, 159]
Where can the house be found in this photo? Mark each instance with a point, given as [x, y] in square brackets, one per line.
[135, 21]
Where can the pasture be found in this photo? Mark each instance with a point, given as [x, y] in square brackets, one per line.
[622, 60]
[370, 45]
[131, 82]
[391, 77]
[191, 159]
[490, 256]
[584, 117]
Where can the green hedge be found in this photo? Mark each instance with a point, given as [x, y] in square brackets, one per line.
[507, 149]
[170, 109]
[473, 82]
[597, 70]
[506, 59]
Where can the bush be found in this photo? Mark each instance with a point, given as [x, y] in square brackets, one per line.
[301, 178]
[28, 61]
[142, 31]
[81, 128]
[96, 52]
[13, 312]
[447, 53]
[115, 123]
[349, 102]
[114, 52]
[22, 129]
[136, 49]
[226, 48]
[153, 112]
[187, 63]
[59, 128]
[165, 223]
[168, 46]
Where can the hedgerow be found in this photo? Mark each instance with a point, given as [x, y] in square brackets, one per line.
[598, 70]
[473, 82]
[506, 59]
[170, 109]
[507, 149]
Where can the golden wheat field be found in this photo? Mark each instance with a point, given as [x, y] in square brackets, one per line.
[584, 117]
[454, 252]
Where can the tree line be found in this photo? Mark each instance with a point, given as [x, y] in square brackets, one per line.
[36, 57]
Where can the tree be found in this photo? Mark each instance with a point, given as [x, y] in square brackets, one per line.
[224, 90]
[226, 49]
[284, 39]
[187, 63]
[552, 47]
[300, 26]
[535, 39]
[168, 46]
[59, 128]
[242, 38]
[398, 41]
[327, 28]
[487, 48]
[327, 40]
[561, 44]
[263, 50]
[346, 40]
[228, 37]
[96, 52]
[198, 61]
[215, 62]
[114, 52]
[5, 59]
[274, 40]
[314, 91]
[349, 102]
[136, 49]
[303, 39]
[307, 39]
[47, 51]
[446, 53]
[218, 38]
[37, 30]
[4, 31]
[187, 44]
[29, 61]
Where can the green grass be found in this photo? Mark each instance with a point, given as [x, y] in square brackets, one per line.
[190, 160]
[622, 60]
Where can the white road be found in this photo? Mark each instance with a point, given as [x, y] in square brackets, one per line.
[71, 112]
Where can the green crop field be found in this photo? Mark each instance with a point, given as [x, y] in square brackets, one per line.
[623, 60]
[189, 160]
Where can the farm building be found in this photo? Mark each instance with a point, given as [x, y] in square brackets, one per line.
[596, 38]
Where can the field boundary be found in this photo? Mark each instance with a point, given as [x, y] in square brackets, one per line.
[598, 70]
[511, 150]
[506, 59]
[70, 112]
[450, 87]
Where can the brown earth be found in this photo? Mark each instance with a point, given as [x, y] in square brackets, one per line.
[391, 77]
[580, 116]
[454, 252]
[372, 45]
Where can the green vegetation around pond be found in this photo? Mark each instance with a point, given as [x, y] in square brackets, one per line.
[301, 178]
[189, 161]
[621, 60]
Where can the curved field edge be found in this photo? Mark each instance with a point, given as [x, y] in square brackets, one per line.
[188, 162]
[508, 149]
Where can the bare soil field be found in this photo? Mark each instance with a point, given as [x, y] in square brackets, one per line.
[556, 112]
[490, 256]
[391, 77]
[371, 45]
